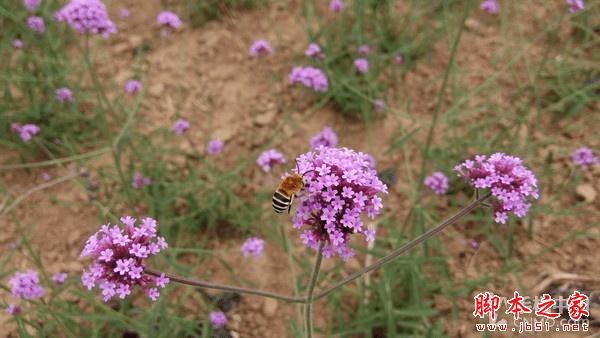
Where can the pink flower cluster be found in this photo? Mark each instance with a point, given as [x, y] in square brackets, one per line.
[119, 259]
[63, 95]
[326, 138]
[314, 51]
[490, 6]
[575, 5]
[87, 17]
[269, 158]
[36, 24]
[336, 5]
[180, 126]
[168, 19]
[437, 182]
[31, 5]
[260, 47]
[310, 77]
[253, 246]
[133, 86]
[584, 157]
[361, 65]
[140, 181]
[25, 131]
[340, 186]
[26, 285]
[509, 181]
[217, 319]
[214, 146]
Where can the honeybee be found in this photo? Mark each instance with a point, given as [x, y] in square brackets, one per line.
[286, 191]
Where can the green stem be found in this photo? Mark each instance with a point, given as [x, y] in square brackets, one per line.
[308, 324]
[208, 285]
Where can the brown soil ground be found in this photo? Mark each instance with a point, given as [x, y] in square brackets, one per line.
[206, 76]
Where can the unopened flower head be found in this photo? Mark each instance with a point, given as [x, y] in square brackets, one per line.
[575, 5]
[269, 158]
[361, 65]
[584, 157]
[260, 47]
[309, 77]
[340, 186]
[180, 126]
[25, 131]
[167, 19]
[119, 256]
[253, 246]
[325, 137]
[59, 278]
[133, 86]
[140, 181]
[364, 50]
[31, 5]
[217, 319]
[379, 105]
[314, 51]
[12, 309]
[510, 182]
[36, 23]
[437, 182]
[17, 44]
[490, 6]
[63, 95]
[336, 5]
[214, 146]
[87, 17]
[26, 285]
[46, 177]
[398, 59]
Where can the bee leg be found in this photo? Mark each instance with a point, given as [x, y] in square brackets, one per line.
[291, 201]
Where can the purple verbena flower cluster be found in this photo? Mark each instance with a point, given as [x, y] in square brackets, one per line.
[124, 13]
[310, 77]
[340, 186]
[336, 5]
[398, 59]
[217, 319]
[314, 51]
[87, 17]
[180, 126]
[140, 181]
[490, 6]
[119, 259]
[31, 5]
[437, 182]
[26, 285]
[168, 19]
[253, 246]
[133, 86]
[584, 157]
[59, 278]
[325, 137]
[214, 146]
[575, 5]
[379, 105]
[25, 131]
[509, 181]
[36, 24]
[269, 158]
[17, 44]
[361, 65]
[260, 47]
[63, 95]
[364, 50]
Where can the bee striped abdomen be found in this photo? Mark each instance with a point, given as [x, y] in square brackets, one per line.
[281, 202]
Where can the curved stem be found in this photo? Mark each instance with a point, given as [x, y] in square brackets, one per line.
[394, 254]
[308, 325]
[207, 285]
